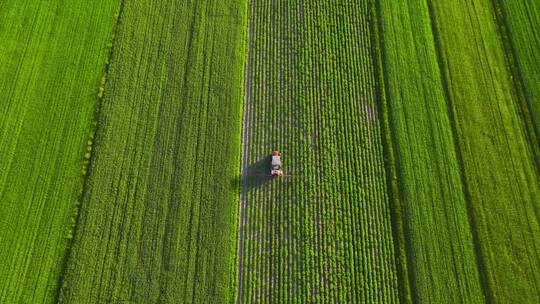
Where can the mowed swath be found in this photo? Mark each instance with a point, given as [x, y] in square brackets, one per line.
[158, 222]
[52, 57]
[322, 235]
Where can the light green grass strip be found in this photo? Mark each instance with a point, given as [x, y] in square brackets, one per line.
[498, 161]
[52, 56]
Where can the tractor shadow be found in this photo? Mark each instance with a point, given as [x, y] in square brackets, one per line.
[255, 175]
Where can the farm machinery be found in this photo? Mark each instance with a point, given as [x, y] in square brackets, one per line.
[276, 169]
[276, 164]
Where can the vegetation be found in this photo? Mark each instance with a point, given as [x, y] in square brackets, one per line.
[499, 166]
[158, 220]
[441, 258]
[458, 111]
[520, 21]
[135, 142]
[322, 234]
[52, 57]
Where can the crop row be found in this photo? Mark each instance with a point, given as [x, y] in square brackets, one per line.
[323, 234]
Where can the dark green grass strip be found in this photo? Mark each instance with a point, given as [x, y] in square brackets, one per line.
[52, 56]
[398, 221]
[158, 222]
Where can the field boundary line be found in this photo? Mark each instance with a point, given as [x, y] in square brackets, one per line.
[401, 242]
[89, 148]
[244, 155]
[480, 263]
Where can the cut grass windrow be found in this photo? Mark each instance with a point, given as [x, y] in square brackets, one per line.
[158, 222]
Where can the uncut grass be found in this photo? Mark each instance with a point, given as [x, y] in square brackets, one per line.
[437, 256]
[324, 234]
[498, 159]
[52, 57]
[521, 20]
[158, 222]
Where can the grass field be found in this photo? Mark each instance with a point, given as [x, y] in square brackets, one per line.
[520, 21]
[135, 143]
[437, 254]
[52, 57]
[158, 222]
[324, 234]
[499, 166]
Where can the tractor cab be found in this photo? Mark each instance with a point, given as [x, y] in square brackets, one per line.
[276, 164]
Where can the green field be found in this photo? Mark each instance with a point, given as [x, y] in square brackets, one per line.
[136, 141]
[520, 21]
[324, 233]
[437, 254]
[158, 222]
[52, 57]
[498, 163]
